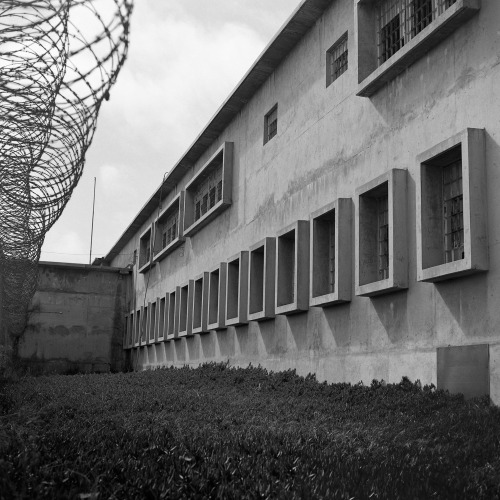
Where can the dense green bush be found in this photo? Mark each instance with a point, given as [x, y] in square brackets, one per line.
[216, 432]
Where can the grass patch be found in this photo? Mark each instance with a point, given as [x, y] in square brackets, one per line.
[216, 432]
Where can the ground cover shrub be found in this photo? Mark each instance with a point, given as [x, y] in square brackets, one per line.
[215, 432]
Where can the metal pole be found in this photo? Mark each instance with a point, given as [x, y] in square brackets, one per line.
[92, 228]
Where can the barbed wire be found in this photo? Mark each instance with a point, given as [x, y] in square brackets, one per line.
[58, 61]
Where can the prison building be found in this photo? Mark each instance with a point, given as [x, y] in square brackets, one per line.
[339, 214]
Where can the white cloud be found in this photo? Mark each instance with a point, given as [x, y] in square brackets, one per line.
[185, 57]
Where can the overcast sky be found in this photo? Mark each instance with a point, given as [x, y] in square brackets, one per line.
[185, 57]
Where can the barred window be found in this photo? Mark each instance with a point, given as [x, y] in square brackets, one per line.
[401, 20]
[170, 229]
[337, 59]
[453, 212]
[271, 124]
[209, 193]
[383, 237]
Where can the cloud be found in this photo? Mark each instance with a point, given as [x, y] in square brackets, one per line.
[185, 58]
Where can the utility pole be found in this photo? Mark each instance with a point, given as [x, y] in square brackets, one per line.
[92, 227]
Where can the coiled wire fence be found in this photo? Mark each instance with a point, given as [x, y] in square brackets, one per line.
[58, 61]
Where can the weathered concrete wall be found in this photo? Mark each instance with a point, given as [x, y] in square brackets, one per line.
[329, 143]
[76, 320]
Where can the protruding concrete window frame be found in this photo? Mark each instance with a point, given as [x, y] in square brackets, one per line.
[185, 310]
[177, 204]
[292, 268]
[333, 218]
[172, 314]
[237, 289]
[371, 76]
[216, 311]
[128, 337]
[192, 226]
[470, 145]
[367, 239]
[200, 304]
[151, 323]
[261, 280]
[162, 317]
[143, 326]
[145, 250]
[137, 328]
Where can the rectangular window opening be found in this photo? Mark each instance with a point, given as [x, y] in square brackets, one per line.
[197, 306]
[233, 288]
[213, 307]
[286, 269]
[401, 20]
[171, 315]
[161, 319]
[256, 280]
[152, 321]
[324, 254]
[337, 59]
[271, 124]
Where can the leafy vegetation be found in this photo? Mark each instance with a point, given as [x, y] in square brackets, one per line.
[215, 432]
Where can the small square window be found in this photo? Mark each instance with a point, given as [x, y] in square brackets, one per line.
[381, 240]
[451, 232]
[271, 124]
[336, 59]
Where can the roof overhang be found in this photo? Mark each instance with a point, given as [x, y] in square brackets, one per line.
[296, 26]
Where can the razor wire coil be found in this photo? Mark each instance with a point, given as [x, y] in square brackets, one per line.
[58, 61]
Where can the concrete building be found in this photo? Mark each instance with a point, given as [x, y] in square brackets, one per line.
[339, 213]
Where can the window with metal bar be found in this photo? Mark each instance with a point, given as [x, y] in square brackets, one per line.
[383, 237]
[337, 59]
[401, 20]
[271, 124]
[331, 255]
[453, 217]
[170, 229]
[209, 193]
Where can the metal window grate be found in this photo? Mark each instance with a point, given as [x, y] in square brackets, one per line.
[170, 229]
[400, 20]
[453, 217]
[271, 124]
[383, 236]
[208, 193]
[337, 59]
[331, 255]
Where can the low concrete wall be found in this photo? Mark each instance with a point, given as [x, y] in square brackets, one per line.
[76, 320]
